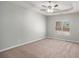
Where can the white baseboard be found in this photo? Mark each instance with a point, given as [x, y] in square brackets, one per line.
[63, 39]
[2, 50]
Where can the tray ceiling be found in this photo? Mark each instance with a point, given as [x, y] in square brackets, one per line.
[63, 6]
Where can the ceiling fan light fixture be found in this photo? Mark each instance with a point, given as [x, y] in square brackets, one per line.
[50, 10]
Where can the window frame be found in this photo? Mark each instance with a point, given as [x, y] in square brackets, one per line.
[62, 32]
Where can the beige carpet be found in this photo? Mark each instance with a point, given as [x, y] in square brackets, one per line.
[45, 48]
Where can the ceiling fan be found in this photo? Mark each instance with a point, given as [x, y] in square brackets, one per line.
[50, 8]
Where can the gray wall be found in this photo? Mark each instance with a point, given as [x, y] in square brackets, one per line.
[74, 23]
[19, 25]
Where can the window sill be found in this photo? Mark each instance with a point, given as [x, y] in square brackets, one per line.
[63, 33]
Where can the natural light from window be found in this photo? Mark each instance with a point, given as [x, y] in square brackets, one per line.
[63, 27]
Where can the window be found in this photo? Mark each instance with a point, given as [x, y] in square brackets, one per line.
[58, 26]
[63, 27]
[66, 27]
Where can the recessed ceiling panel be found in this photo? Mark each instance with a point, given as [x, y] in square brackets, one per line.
[62, 6]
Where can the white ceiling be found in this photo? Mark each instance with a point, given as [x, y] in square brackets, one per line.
[64, 6]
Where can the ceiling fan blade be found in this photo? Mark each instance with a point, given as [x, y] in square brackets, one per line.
[56, 5]
[42, 9]
[49, 1]
[44, 6]
[58, 10]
